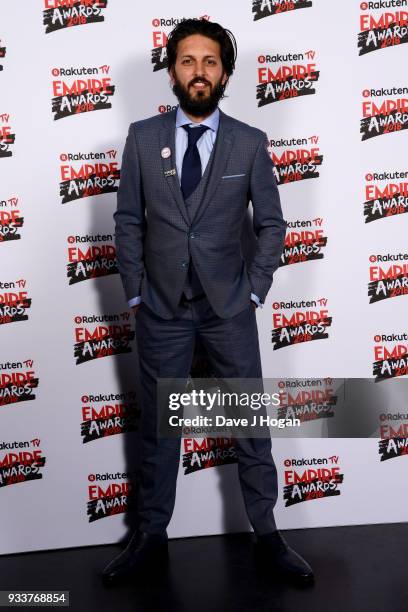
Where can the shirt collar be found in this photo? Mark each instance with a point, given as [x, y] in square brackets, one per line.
[212, 121]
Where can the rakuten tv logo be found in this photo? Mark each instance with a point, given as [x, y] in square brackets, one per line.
[104, 501]
[11, 220]
[207, 452]
[303, 244]
[388, 281]
[387, 200]
[166, 108]
[3, 50]
[17, 382]
[61, 14]
[162, 27]
[388, 116]
[307, 405]
[384, 30]
[72, 96]
[7, 138]
[93, 341]
[265, 8]
[311, 483]
[390, 356]
[307, 321]
[295, 77]
[21, 465]
[82, 180]
[97, 258]
[111, 414]
[14, 301]
[394, 436]
[299, 160]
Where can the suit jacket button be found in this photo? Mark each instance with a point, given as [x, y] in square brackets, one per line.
[184, 264]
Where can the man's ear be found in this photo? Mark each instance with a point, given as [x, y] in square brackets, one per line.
[224, 78]
[171, 75]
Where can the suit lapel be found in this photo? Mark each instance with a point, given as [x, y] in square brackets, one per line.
[167, 140]
[223, 146]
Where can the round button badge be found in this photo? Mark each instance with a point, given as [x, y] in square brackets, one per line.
[166, 152]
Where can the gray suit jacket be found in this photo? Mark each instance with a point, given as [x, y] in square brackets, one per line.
[155, 236]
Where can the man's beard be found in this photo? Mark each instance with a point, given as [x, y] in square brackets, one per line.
[201, 105]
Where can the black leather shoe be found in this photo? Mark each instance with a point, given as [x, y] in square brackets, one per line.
[272, 551]
[142, 552]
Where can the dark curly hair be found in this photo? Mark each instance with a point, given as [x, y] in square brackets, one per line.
[188, 27]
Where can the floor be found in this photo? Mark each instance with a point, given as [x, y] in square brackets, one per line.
[357, 568]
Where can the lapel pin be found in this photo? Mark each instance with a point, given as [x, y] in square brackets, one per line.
[171, 172]
[165, 152]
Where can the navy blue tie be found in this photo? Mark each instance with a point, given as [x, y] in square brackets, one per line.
[191, 168]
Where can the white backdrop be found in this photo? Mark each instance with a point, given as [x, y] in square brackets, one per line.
[56, 494]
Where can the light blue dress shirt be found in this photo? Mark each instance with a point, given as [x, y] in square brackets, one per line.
[204, 145]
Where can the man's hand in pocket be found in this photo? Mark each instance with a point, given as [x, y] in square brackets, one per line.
[135, 309]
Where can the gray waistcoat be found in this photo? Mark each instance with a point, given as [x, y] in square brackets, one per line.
[192, 285]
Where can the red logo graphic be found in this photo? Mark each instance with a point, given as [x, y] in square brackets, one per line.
[102, 340]
[303, 244]
[387, 201]
[11, 220]
[60, 14]
[74, 96]
[88, 179]
[312, 483]
[388, 116]
[300, 326]
[266, 8]
[388, 282]
[297, 164]
[290, 80]
[386, 30]
[108, 501]
[7, 138]
[209, 452]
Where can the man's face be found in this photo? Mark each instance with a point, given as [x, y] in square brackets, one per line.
[198, 76]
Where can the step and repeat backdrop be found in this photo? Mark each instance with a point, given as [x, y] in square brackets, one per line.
[324, 80]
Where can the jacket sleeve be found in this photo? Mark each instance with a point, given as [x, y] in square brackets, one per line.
[268, 223]
[130, 221]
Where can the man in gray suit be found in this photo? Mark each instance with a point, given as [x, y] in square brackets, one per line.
[186, 180]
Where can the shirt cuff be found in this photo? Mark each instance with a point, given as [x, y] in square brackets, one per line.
[256, 299]
[134, 301]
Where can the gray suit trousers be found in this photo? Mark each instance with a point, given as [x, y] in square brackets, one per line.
[166, 349]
